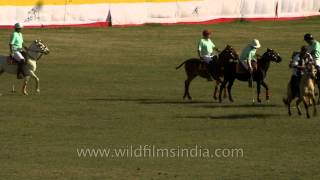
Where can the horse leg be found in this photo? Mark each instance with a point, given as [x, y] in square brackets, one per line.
[305, 102]
[258, 91]
[222, 87]
[267, 90]
[225, 93]
[186, 87]
[37, 81]
[289, 108]
[314, 106]
[13, 90]
[287, 101]
[24, 86]
[216, 90]
[297, 105]
[230, 84]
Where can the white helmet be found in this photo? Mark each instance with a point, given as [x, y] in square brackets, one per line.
[18, 26]
[255, 43]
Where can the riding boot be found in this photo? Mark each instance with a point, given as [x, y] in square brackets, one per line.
[250, 78]
[209, 78]
[20, 72]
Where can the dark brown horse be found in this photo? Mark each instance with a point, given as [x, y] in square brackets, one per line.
[258, 76]
[215, 68]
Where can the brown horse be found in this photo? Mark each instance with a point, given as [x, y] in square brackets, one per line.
[318, 83]
[215, 69]
[259, 75]
[306, 92]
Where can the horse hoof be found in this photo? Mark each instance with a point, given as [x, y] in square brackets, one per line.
[259, 100]
[267, 98]
[308, 116]
[38, 91]
[215, 98]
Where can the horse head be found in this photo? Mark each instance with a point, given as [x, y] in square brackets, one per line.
[272, 55]
[37, 49]
[43, 48]
[229, 54]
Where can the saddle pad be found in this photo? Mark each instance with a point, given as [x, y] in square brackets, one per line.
[11, 61]
[240, 69]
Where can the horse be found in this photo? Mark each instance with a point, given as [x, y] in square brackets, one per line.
[306, 92]
[318, 83]
[214, 68]
[258, 75]
[33, 54]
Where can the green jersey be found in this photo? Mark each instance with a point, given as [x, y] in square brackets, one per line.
[16, 41]
[248, 53]
[315, 49]
[206, 47]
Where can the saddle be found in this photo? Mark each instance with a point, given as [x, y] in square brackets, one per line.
[240, 69]
[11, 61]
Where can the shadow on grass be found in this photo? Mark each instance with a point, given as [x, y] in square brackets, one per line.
[231, 116]
[196, 103]
[152, 101]
[256, 105]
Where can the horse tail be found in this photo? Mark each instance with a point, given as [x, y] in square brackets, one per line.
[181, 65]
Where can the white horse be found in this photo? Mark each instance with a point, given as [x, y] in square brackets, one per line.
[33, 53]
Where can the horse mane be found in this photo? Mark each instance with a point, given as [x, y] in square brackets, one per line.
[263, 60]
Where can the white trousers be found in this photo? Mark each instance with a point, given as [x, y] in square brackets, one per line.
[207, 58]
[244, 64]
[317, 62]
[18, 56]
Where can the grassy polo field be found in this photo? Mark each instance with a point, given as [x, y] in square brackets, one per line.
[117, 87]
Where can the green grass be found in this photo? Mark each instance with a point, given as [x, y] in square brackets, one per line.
[113, 87]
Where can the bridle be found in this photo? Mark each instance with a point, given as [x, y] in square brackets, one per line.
[36, 51]
[273, 55]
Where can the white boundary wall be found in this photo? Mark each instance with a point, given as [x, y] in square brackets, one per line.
[169, 12]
